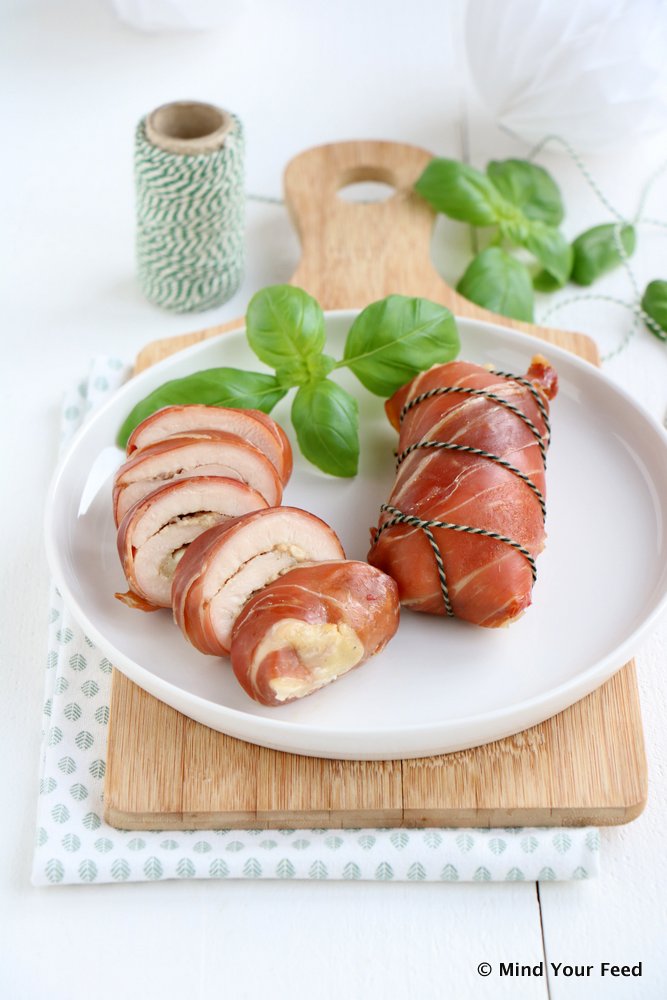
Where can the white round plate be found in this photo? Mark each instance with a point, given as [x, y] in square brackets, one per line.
[440, 685]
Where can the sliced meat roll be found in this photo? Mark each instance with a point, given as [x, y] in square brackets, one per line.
[226, 565]
[252, 425]
[311, 626]
[217, 454]
[157, 530]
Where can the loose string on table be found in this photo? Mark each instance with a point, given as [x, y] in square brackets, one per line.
[634, 306]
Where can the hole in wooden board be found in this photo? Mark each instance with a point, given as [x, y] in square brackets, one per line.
[366, 192]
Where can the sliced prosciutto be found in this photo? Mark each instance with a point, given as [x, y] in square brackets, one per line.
[465, 520]
[254, 426]
[157, 530]
[311, 626]
[229, 563]
[218, 454]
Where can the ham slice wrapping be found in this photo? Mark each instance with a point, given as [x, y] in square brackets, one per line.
[465, 520]
[311, 626]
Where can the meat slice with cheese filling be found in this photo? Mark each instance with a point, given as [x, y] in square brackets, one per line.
[227, 564]
[217, 454]
[195, 419]
[311, 626]
[155, 532]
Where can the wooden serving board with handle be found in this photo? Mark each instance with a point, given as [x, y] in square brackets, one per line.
[585, 765]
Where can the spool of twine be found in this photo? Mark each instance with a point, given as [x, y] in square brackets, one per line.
[189, 177]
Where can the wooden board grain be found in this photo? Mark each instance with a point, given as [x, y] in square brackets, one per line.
[585, 765]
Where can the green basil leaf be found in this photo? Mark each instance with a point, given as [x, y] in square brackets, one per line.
[284, 323]
[461, 192]
[213, 387]
[292, 373]
[654, 304]
[392, 340]
[299, 371]
[545, 282]
[530, 188]
[595, 251]
[547, 244]
[326, 421]
[319, 366]
[499, 282]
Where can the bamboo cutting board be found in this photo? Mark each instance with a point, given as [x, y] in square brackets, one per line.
[585, 765]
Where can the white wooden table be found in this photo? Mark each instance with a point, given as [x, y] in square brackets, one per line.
[298, 74]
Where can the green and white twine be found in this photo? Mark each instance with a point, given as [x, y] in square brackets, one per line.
[634, 305]
[190, 221]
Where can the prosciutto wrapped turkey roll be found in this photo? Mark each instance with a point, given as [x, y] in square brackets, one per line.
[227, 564]
[218, 454]
[258, 428]
[156, 531]
[465, 520]
[311, 626]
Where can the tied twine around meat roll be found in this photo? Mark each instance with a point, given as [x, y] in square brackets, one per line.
[189, 176]
[395, 514]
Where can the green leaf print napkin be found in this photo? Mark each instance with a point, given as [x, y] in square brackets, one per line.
[75, 845]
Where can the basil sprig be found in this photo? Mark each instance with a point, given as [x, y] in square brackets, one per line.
[388, 343]
[523, 203]
[519, 205]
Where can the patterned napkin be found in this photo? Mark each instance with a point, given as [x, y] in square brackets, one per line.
[75, 845]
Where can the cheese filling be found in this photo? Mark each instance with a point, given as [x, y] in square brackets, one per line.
[325, 650]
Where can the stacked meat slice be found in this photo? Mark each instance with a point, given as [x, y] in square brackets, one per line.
[201, 530]
[465, 519]
[194, 420]
[213, 453]
[158, 528]
[189, 468]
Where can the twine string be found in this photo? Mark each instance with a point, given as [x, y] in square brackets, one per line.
[638, 314]
[190, 222]
[634, 306]
[478, 452]
[428, 524]
[542, 440]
